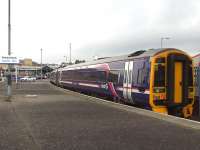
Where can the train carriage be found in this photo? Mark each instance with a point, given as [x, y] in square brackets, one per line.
[55, 76]
[196, 62]
[157, 79]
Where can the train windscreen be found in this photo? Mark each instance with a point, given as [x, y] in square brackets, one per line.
[159, 75]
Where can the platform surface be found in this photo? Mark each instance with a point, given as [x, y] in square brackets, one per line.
[43, 117]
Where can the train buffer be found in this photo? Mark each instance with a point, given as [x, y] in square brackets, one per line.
[41, 116]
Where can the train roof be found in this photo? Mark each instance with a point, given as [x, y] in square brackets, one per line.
[196, 56]
[136, 54]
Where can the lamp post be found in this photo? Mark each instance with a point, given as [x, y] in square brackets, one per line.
[161, 40]
[9, 83]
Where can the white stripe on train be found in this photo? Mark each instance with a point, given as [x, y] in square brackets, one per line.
[98, 86]
[134, 90]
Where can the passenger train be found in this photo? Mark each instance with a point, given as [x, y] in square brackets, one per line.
[196, 64]
[157, 79]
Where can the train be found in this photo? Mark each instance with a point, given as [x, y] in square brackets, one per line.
[196, 64]
[160, 80]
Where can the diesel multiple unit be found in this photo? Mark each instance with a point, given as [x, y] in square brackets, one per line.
[158, 79]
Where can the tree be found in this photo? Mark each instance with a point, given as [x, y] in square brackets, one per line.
[79, 61]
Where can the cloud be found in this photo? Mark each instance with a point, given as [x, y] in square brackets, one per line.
[98, 28]
[178, 20]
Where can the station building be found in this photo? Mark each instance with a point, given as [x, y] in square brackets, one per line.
[26, 67]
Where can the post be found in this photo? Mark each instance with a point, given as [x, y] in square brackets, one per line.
[41, 63]
[16, 74]
[9, 81]
[9, 30]
[161, 40]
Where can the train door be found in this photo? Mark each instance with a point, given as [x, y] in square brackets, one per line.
[178, 79]
[127, 84]
[178, 75]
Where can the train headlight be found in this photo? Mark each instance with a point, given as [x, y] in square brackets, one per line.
[162, 96]
[159, 96]
[104, 86]
[190, 92]
[159, 90]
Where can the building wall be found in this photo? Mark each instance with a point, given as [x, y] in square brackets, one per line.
[3, 66]
[27, 62]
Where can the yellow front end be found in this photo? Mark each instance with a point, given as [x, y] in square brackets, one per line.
[161, 99]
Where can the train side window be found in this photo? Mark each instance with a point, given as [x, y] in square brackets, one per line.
[97, 76]
[148, 76]
[135, 73]
[65, 75]
[121, 77]
[142, 75]
[102, 76]
[85, 75]
[71, 75]
[159, 75]
[75, 75]
[113, 76]
[91, 76]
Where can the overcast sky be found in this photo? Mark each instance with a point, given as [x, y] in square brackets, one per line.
[97, 27]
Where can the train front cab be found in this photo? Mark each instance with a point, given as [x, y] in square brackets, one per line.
[171, 85]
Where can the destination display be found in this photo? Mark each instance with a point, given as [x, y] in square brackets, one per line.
[9, 60]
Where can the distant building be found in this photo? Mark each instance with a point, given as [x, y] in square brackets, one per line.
[28, 70]
[52, 66]
[28, 67]
[3, 66]
[27, 62]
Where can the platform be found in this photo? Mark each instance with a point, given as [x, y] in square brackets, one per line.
[44, 117]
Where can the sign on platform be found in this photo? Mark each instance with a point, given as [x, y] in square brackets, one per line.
[9, 60]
